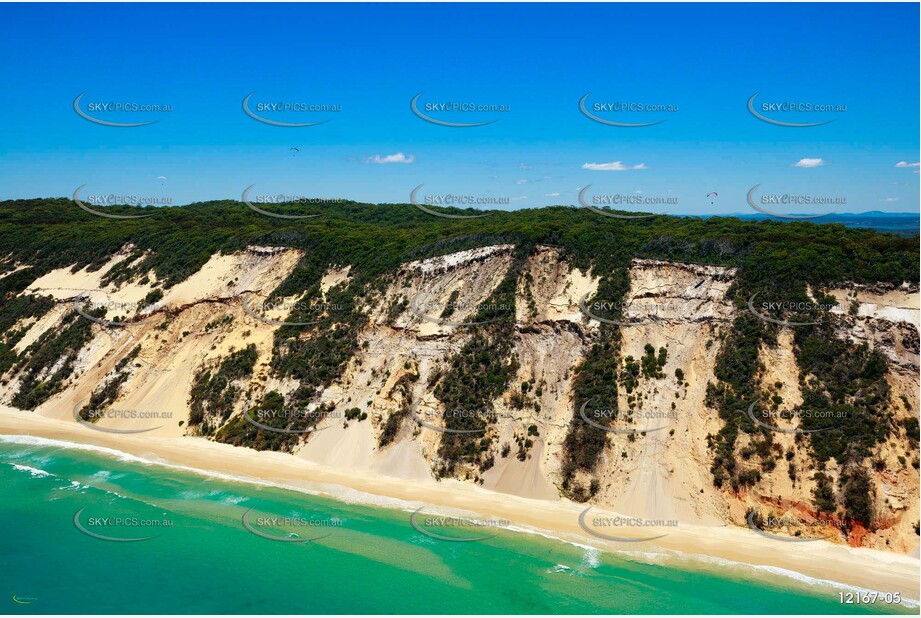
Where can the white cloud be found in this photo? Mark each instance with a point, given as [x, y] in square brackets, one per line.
[907, 164]
[525, 166]
[394, 158]
[521, 182]
[809, 163]
[891, 199]
[614, 166]
[520, 197]
[551, 195]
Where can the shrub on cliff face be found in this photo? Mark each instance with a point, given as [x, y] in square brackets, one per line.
[213, 395]
[595, 385]
[858, 501]
[824, 493]
[49, 361]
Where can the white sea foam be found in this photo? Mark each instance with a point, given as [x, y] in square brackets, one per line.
[229, 499]
[75, 485]
[35, 472]
[34, 441]
[592, 558]
[129, 458]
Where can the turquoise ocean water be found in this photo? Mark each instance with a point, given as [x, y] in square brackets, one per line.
[199, 557]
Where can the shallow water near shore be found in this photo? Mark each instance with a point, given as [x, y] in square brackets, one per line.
[87, 532]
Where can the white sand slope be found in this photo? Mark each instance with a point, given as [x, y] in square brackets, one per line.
[679, 307]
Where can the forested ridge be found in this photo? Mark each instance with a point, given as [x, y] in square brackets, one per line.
[176, 241]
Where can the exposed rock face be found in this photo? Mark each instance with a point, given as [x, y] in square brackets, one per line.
[657, 465]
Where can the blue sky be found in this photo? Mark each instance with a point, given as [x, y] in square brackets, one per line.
[538, 60]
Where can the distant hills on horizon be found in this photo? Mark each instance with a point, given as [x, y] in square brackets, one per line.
[900, 223]
[869, 213]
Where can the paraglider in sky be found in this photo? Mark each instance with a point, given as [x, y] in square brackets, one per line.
[712, 193]
[294, 151]
[162, 179]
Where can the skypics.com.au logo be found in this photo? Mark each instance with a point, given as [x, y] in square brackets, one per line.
[284, 199]
[607, 204]
[281, 113]
[89, 415]
[438, 112]
[96, 110]
[624, 529]
[455, 529]
[776, 311]
[290, 529]
[441, 421]
[601, 417]
[631, 313]
[441, 313]
[108, 200]
[615, 113]
[778, 204]
[296, 313]
[425, 202]
[120, 527]
[771, 111]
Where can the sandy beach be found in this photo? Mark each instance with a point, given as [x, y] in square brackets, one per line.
[864, 568]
